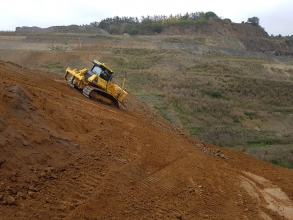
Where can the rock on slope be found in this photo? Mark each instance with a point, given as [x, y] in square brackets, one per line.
[63, 156]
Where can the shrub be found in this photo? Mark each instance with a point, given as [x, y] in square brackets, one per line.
[210, 14]
[156, 27]
[213, 93]
[133, 31]
[250, 115]
[260, 141]
[227, 20]
[236, 119]
[281, 162]
[113, 29]
[254, 21]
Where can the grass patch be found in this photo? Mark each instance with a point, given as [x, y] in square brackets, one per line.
[138, 62]
[213, 93]
[161, 107]
[250, 115]
[53, 65]
[280, 154]
[178, 109]
[236, 119]
[155, 95]
[290, 70]
[281, 162]
[162, 110]
[58, 48]
[260, 142]
[194, 131]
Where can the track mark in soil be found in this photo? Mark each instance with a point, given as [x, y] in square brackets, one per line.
[158, 180]
[268, 195]
[91, 183]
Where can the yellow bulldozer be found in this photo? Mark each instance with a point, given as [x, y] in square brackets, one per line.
[97, 83]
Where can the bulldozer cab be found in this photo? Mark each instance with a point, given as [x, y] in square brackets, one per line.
[102, 71]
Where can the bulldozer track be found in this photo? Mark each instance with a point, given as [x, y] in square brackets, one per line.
[99, 95]
[94, 93]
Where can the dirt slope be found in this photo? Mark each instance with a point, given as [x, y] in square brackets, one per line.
[66, 157]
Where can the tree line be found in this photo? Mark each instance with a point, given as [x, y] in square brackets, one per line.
[152, 24]
[155, 24]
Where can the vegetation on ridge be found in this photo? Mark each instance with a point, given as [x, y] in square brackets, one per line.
[155, 24]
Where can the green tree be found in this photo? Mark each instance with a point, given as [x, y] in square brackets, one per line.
[210, 14]
[228, 20]
[254, 21]
[201, 18]
[185, 17]
[134, 31]
[94, 24]
[156, 27]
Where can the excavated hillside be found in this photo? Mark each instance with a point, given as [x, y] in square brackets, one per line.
[66, 157]
[243, 36]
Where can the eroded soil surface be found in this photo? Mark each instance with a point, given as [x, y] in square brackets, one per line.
[63, 156]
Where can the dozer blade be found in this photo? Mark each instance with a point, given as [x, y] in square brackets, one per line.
[100, 95]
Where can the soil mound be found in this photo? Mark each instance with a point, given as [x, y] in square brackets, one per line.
[17, 98]
[63, 156]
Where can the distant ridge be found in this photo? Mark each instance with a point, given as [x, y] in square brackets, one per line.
[62, 29]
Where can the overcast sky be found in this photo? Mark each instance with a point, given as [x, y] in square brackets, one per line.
[276, 16]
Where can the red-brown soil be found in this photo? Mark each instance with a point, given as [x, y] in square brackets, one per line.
[63, 156]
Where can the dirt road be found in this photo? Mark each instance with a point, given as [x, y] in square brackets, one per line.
[63, 156]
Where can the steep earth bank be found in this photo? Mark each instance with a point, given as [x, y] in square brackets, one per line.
[63, 156]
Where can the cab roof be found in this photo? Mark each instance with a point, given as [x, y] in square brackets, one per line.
[95, 62]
